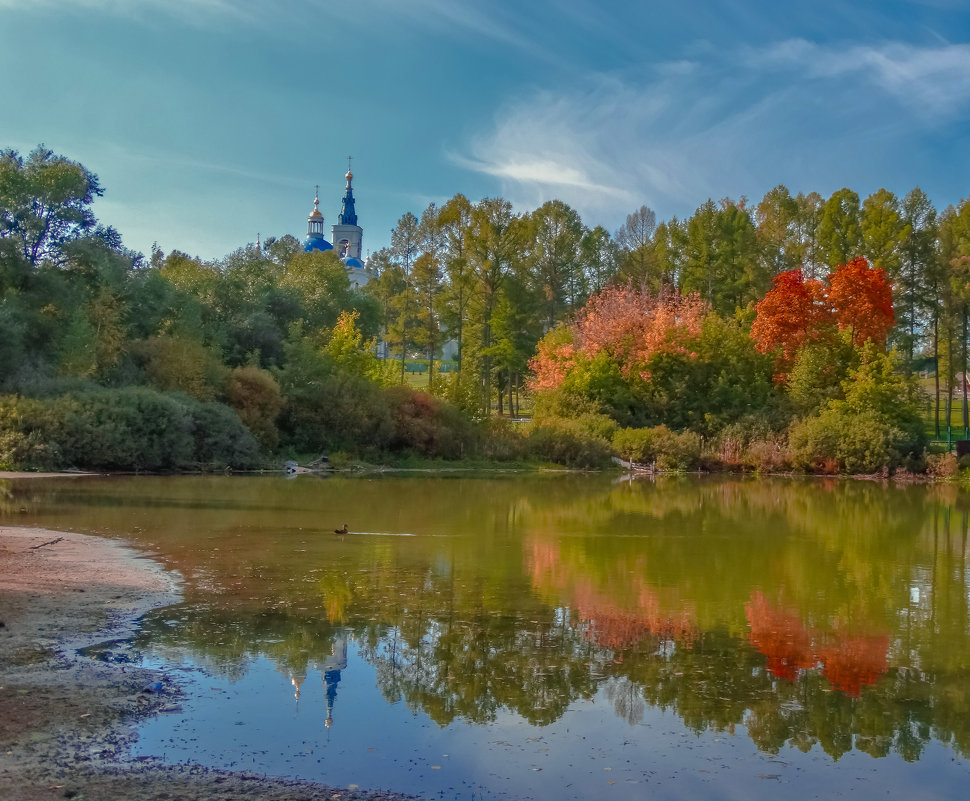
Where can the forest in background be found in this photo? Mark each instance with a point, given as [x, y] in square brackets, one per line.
[790, 333]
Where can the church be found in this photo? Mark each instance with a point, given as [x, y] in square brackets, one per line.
[346, 235]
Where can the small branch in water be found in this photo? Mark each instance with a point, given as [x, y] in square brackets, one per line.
[52, 542]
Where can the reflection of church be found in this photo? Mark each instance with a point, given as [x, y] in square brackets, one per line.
[330, 667]
[346, 235]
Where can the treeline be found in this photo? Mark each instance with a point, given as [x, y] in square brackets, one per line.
[281, 338]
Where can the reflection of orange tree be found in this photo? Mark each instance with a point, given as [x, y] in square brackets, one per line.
[848, 662]
[611, 623]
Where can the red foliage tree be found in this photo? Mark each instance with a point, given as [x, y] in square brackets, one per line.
[863, 301]
[858, 299]
[793, 312]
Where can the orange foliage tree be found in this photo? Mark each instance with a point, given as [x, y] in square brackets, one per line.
[863, 301]
[793, 312]
[857, 299]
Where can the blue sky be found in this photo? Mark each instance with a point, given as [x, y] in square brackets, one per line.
[208, 121]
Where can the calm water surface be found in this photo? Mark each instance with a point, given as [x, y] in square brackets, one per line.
[556, 636]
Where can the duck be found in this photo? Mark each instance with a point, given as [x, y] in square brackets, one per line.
[343, 530]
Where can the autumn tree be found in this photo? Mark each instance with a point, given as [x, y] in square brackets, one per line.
[863, 302]
[792, 313]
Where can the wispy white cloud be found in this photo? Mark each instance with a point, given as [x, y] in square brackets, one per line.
[722, 124]
[931, 79]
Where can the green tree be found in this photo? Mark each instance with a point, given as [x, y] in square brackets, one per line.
[840, 229]
[405, 246]
[455, 219]
[555, 235]
[494, 246]
[633, 239]
[599, 255]
[810, 209]
[777, 220]
[426, 279]
[883, 232]
[45, 203]
[722, 263]
[915, 285]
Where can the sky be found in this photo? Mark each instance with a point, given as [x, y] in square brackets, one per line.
[211, 121]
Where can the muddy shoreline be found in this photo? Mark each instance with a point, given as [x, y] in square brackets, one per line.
[66, 720]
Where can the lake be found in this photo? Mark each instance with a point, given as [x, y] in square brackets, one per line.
[552, 636]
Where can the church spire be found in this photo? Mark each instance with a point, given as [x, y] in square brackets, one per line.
[348, 214]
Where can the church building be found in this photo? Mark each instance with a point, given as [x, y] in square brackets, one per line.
[346, 235]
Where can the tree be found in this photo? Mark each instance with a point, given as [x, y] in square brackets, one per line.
[777, 220]
[45, 203]
[455, 221]
[494, 245]
[598, 257]
[633, 239]
[862, 298]
[405, 243]
[808, 220]
[883, 231]
[840, 229]
[426, 280]
[915, 282]
[556, 233]
[791, 314]
[721, 262]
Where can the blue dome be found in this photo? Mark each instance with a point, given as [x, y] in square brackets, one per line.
[353, 262]
[310, 244]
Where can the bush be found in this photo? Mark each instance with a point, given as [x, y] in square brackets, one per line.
[562, 443]
[660, 446]
[753, 444]
[426, 425]
[256, 397]
[859, 442]
[126, 429]
[878, 424]
[942, 465]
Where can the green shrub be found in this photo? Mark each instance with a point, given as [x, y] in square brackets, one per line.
[565, 445]
[125, 429]
[256, 397]
[666, 449]
[636, 444]
[877, 425]
[859, 442]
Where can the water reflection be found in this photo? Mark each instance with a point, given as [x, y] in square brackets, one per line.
[804, 613]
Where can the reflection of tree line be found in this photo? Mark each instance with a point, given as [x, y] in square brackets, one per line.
[823, 612]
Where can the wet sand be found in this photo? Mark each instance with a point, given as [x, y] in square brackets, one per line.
[67, 721]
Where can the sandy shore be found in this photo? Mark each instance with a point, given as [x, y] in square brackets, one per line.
[66, 721]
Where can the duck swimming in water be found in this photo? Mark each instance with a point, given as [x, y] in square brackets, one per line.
[341, 530]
